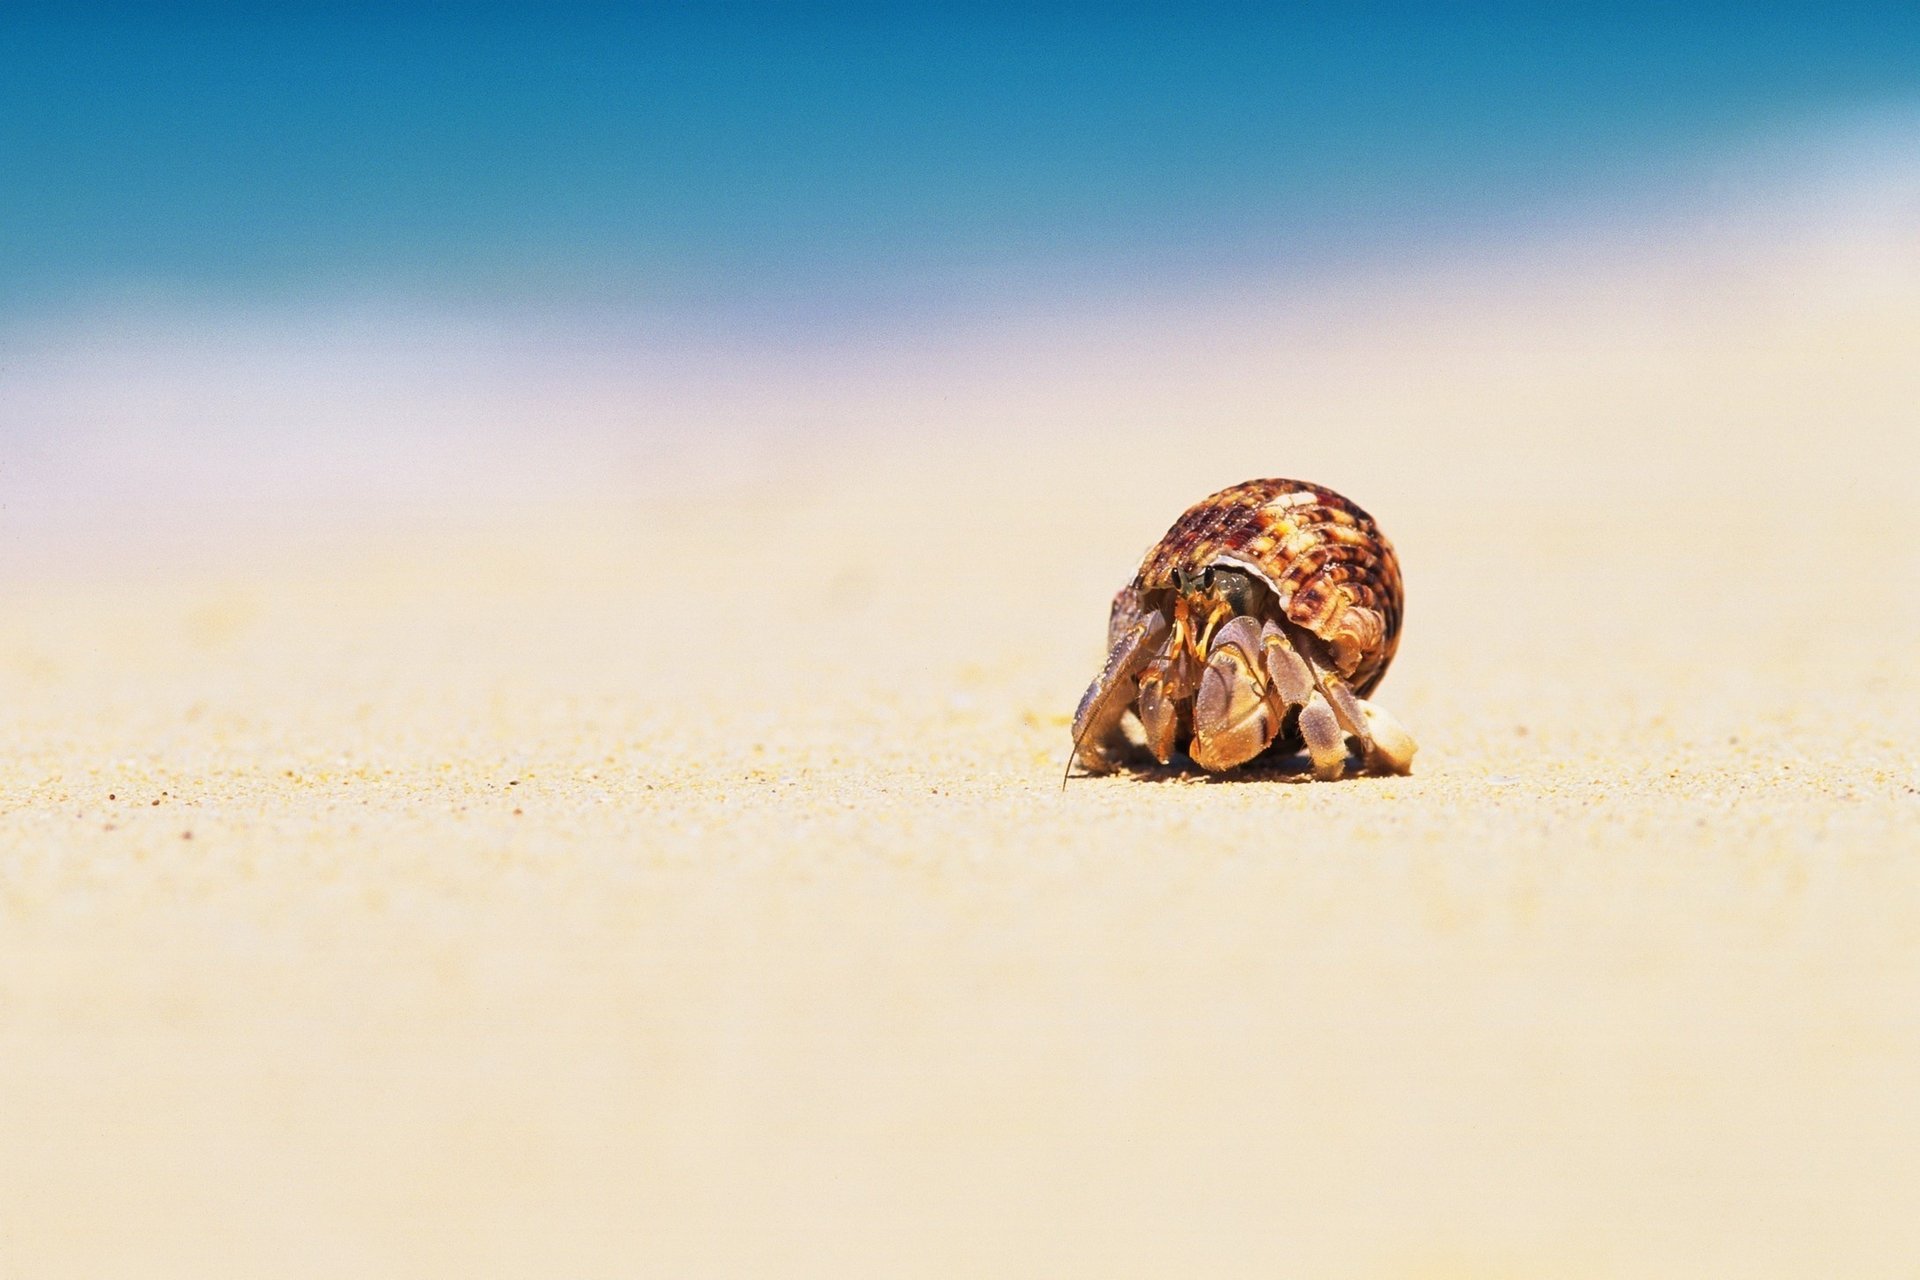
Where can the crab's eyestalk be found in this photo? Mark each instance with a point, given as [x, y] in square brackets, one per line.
[1192, 582]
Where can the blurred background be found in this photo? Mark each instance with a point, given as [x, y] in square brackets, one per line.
[300, 264]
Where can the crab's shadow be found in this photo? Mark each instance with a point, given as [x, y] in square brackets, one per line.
[1293, 768]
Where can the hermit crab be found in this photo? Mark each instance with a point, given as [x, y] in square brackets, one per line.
[1265, 616]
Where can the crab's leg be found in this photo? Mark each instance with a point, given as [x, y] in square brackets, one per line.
[1204, 646]
[1159, 705]
[1383, 740]
[1166, 688]
[1127, 609]
[1096, 724]
[1294, 685]
[1325, 742]
[1233, 719]
[1393, 746]
[1165, 684]
[1292, 678]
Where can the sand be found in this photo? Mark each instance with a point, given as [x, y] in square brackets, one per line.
[672, 876]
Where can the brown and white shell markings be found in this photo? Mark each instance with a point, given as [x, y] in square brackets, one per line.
[1265, 617]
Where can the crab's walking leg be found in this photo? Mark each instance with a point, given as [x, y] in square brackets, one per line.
[1233, 719]
[1167, 685]
[1393, 746]
[1325, 742]
[1096, 725]
[1291, 676]
[1159, 706]
[1383, 740]
[1204, 645]
[1166, 690]
[1293, 685]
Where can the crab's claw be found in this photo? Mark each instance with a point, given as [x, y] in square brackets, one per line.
[1233, 719]
[1096, 725]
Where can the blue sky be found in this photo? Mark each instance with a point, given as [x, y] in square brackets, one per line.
[758, 160]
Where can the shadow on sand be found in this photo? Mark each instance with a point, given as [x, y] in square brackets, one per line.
[1289, 767]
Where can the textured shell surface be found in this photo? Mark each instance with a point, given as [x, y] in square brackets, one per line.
[1324, 558]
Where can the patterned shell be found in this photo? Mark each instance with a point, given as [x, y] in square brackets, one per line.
[1332, 569]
